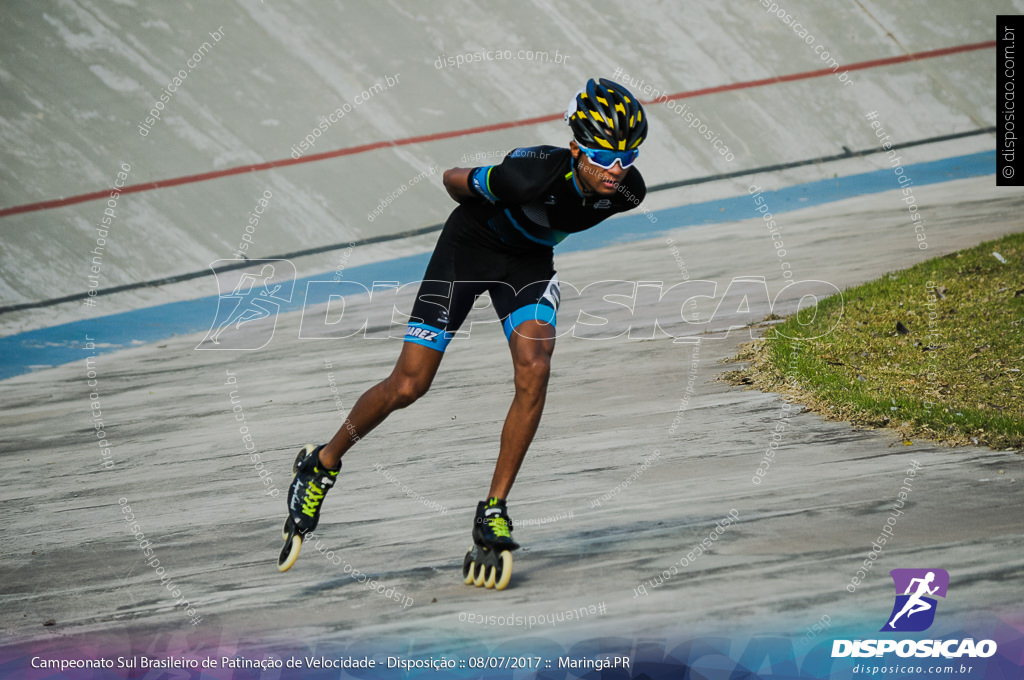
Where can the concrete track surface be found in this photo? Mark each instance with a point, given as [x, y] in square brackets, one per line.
[623, 481]
[641, 452]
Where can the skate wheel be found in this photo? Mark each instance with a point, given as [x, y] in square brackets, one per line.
[289, 553]
[481, 575]
[492, 575]
[501, 574]
[287, 530]
[468, 568]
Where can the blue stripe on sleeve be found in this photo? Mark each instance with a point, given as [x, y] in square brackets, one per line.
[480, 179]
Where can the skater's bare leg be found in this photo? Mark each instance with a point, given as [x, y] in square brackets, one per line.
[532, 344]
[409, 380]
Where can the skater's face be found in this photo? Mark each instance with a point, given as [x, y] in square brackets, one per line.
[593, 178]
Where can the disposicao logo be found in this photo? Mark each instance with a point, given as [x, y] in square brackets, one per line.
[253, 293]
[914, 611]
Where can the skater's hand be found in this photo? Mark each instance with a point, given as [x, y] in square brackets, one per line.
[456, 181]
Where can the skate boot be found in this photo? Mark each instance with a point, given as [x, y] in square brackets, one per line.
[310, 484]
[489, 562]
[492, 526]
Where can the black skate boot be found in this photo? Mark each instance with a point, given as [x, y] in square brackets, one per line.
[311, 483]
[489, 563]
[492, 526]
[306, 494]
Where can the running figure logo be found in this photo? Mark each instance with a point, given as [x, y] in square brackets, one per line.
[914, 611]
[257, 293]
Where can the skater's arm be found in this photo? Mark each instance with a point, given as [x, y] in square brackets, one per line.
[456, 181]
[520, 177]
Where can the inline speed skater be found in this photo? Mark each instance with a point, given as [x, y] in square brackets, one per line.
[499, 239]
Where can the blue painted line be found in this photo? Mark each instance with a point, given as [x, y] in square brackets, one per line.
[47, 347]
[635, 227]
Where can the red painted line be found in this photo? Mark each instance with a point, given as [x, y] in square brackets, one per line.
[348, 151]
[858, 66]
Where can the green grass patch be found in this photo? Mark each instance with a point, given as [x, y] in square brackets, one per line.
[935, 350]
